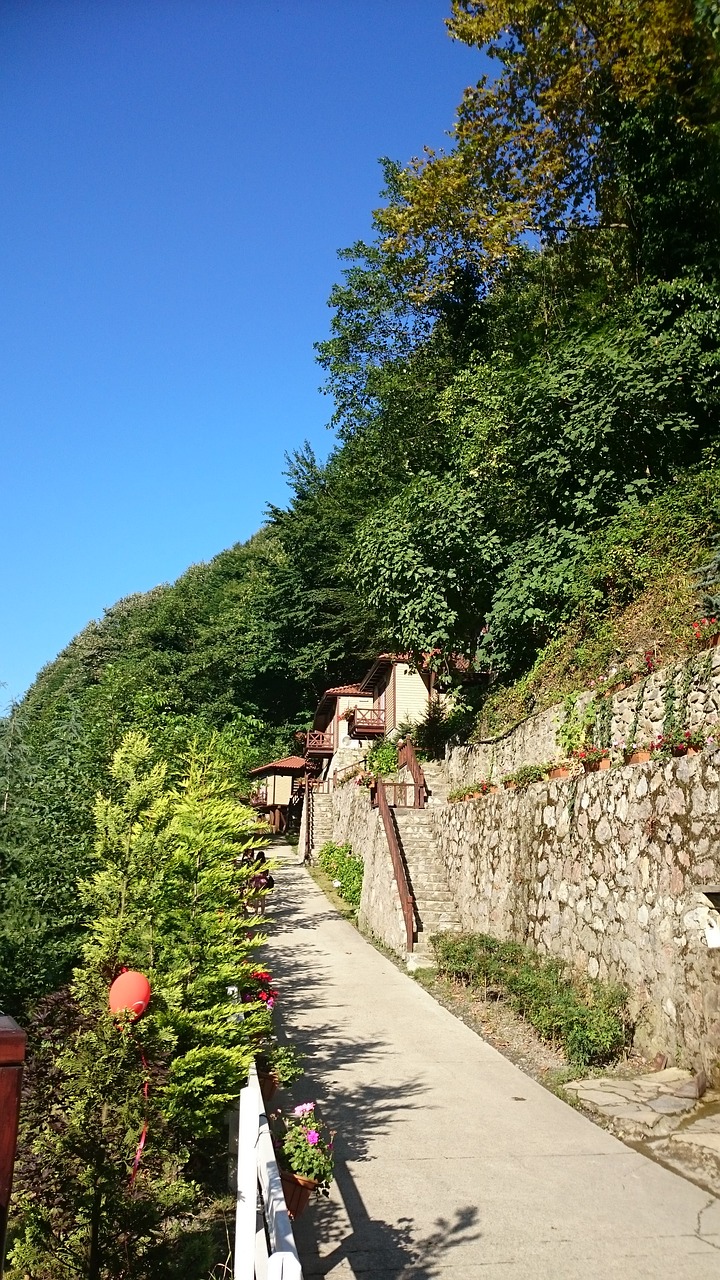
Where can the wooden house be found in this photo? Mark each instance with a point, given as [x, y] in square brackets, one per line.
[278, 790]
[330, 726]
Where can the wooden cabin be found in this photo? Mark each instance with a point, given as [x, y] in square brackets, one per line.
[400, 695]
[392, 693]
[330, 729]
[278, 791]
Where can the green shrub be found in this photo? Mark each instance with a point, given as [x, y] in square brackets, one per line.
[527, 774]
[589, 1019]
[382, 758]
[344, 868]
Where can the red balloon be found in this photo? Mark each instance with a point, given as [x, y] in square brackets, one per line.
[130, 993]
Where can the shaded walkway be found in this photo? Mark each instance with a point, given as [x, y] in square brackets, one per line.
[451, 1162]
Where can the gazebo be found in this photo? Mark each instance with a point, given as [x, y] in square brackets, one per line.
[279, 790]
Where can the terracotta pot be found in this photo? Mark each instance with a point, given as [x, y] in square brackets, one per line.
[493, 791]
[560, 771]
[638, 757]
[686, 751]
[268, 1085]
[597, 766]
[509, 786]
[297, 1191]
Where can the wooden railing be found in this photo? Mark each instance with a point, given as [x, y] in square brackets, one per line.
[365, 723]
[400, 795]
[407, 759]
[379, 801]
[12, 1057]
[264, 1243]
[317, 741]
[350, 770]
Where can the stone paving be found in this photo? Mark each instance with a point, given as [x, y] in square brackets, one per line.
[670, 1113]
[450, 1161]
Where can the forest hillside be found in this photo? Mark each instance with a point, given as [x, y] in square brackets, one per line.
[524, 369]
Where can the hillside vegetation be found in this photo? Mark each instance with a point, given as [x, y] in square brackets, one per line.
[525, 371]
[524, 368]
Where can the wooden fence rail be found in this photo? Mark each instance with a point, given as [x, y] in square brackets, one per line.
[264, 1242]
[406, 898]
[12, 1056]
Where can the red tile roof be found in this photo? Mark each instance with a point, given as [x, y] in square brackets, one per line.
[343, 688]
[288, 763]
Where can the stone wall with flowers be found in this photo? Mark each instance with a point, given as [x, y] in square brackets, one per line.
[606, 870]
[354, 822]
[628, 709]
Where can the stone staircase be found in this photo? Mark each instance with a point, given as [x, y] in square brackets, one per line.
[436, 911]
[437, 782]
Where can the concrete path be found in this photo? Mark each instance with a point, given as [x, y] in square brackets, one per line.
[451, 1162]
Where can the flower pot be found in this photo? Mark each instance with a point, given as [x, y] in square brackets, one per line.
[678, 752]
[638, 757]
[493, 791]
[559, 771]
[268, 1085]
[597, 766]
[297, 1191]
[509, 786]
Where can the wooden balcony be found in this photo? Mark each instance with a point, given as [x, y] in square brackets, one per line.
[319, 744]
[365, 722]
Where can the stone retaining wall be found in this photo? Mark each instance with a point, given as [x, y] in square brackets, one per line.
[637, 715]
[605, 871]
[356, 823]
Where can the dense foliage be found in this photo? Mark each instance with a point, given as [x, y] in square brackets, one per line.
[344, 868]
[169, 895]
[524, 364]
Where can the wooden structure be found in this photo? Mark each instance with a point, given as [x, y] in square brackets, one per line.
[264, 1242]
[400, 693]
[332, 719]
[12, 1056]
[279, 790]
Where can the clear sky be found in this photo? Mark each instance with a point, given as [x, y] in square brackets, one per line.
[177, 176]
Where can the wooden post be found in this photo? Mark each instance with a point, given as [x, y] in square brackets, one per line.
[12, 1057]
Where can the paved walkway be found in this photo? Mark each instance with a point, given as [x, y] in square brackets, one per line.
[451, 1162]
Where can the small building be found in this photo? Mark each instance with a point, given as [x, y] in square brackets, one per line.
[400, 693]
[393, 693]
[330, 725]
[279, 791]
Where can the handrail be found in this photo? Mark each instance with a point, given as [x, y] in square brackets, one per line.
[257, 1170]
[349, 771]
[407, 759]
[406, 898]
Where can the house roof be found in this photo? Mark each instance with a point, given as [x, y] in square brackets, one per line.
[289, 764]
[342, 688]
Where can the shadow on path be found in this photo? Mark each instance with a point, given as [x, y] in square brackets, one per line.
[339, 1235]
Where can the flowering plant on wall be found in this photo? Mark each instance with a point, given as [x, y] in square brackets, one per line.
[679, 742]
[706, 629]
[304, 1144]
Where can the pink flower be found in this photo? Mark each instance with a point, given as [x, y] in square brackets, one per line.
[303, 1108]
[313, 1137]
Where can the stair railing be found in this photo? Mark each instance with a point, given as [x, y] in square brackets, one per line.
[407, 902]
[407, 759]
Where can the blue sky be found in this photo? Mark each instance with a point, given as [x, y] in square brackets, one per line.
[177, 178]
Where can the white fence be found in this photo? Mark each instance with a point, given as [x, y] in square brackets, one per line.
[264, 1242]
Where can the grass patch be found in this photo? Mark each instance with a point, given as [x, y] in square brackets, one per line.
[588, 1018]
